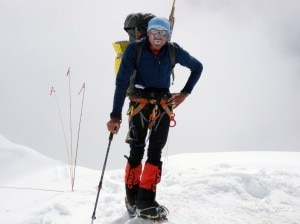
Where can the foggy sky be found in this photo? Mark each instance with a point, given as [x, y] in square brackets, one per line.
[246, 99]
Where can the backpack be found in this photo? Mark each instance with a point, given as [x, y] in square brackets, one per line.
[135, 25]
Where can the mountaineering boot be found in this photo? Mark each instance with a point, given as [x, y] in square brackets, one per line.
[132, 180]
[131, 208]
[153, 213]
[147, 206]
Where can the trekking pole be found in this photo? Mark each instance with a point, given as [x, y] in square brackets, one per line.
[102, 175]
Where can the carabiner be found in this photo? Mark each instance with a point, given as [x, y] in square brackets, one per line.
[172, 121]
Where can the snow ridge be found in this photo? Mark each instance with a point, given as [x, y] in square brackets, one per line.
[229, 188]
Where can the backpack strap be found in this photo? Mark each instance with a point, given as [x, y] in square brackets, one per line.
[172, 53]
[137, 61]
[138, 52]
[172, 57]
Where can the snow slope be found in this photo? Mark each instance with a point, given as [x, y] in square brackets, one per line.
[210, 188]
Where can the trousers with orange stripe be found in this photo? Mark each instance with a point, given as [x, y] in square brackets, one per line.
[141, 182]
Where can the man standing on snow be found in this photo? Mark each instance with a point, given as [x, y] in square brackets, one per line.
[150, 113]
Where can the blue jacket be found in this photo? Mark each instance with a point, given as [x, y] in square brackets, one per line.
[152, 71]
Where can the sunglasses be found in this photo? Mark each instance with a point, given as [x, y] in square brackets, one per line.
[161, 32]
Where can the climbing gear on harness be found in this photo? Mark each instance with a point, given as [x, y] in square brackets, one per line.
[132, 134]
[156, 113]
[155, 105]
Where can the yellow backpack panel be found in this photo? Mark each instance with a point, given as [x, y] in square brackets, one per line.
[119, 47]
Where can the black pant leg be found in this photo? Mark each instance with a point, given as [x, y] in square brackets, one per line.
[140, 125]
[158, 139]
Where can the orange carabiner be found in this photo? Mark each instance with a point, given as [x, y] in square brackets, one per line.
[172, 121]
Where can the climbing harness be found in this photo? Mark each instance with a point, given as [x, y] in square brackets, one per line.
[156, 113]
[153, 120]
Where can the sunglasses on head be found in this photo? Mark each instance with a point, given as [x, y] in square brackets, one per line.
[161, 32]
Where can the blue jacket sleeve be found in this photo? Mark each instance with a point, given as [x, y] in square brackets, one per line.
[195, 66]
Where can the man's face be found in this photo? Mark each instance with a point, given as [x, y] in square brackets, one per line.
[157, 38]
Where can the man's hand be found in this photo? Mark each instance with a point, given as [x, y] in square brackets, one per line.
[177, 99]
[113, 125]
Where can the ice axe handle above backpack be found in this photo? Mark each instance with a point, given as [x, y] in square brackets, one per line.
[172, 17]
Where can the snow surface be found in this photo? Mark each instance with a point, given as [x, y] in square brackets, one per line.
[210, 188]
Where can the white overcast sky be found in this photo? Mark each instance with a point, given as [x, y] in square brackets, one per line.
[246, 99]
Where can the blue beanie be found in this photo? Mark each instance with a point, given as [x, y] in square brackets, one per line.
[160, 23]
